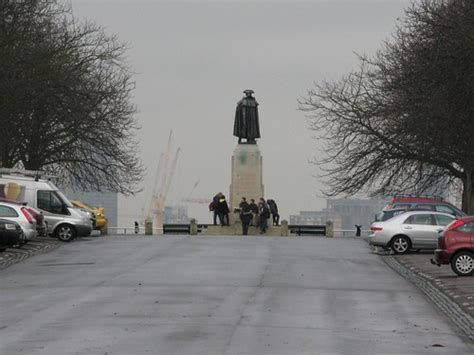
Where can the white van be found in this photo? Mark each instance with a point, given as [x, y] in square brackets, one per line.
[64, 221]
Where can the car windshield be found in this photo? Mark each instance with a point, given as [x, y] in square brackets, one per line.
[64, 199]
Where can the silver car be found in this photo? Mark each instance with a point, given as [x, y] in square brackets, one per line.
[19, 214]
[410, 230]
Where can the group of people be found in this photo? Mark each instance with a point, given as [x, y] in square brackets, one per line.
[220, 209]
[251, 214]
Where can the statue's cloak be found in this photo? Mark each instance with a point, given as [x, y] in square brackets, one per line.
[246, 119]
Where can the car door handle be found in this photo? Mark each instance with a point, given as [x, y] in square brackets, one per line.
[407, 227]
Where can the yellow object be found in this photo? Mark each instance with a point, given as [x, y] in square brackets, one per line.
[12, 191]
[98, 212]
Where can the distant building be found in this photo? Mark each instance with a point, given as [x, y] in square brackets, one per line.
[176, 215]
[344, 213]
[108, 200]
[355, 211]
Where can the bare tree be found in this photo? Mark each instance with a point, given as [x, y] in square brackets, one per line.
[404, 119]
[66, 90]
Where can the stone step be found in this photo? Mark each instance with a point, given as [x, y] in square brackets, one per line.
[236, 230]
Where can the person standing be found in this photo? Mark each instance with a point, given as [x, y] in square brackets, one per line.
[254, 208]
[274, 211]
[245, 215]
[223, 210]
[213, 207]
[264, 214]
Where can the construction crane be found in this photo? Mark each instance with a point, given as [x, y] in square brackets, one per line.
[191, 199]
[162, 183]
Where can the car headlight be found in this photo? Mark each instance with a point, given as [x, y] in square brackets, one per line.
[10, 226]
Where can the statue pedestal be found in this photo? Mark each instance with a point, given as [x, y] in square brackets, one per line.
[247, 176]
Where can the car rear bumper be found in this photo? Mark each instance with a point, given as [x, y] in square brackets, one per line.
[441, 257]
[377, 242]
[9, 238]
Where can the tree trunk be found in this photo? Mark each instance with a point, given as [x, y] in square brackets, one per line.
[468, 193]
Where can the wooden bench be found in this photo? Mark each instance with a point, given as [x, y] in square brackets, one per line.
[318, 230]
[176, 229]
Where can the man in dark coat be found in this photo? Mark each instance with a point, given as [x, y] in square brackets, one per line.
[254, 208]
[223, 210]
[263, 215]
[274, 210]
[213, 207]
[245, 215]
[246, 119]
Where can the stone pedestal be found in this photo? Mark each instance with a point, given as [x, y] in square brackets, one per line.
[247, 175]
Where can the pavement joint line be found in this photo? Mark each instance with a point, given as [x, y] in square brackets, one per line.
[450, 308]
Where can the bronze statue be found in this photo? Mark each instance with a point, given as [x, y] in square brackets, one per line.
[246, 119]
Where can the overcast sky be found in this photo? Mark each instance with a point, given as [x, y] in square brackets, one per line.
[194, 58]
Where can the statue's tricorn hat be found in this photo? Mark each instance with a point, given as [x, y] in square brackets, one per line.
[248, 92]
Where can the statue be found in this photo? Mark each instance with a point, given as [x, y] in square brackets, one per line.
[246, 119]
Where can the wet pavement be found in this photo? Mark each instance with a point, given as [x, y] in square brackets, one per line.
[217, 295]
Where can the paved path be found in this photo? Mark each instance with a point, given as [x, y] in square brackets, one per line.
[459, 289]
[216, 295]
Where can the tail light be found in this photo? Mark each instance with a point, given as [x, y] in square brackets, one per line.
[376, 229]
[27, 215]
[456, 224]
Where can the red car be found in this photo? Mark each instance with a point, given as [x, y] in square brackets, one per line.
[456, 247]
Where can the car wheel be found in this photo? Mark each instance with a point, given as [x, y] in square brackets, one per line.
[65, 233]
[463, 263]
[400, 244]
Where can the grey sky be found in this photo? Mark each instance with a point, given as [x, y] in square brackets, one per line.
[193, 60]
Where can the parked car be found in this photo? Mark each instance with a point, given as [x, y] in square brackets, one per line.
[425, 203]
[41, 225]
[64, 221]
[19, 214]
[100, 222]
[410, 230]
[10, 234]
[385, 215]
[456, 247]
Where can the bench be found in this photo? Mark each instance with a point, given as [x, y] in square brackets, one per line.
[176, 229]
[319, 230]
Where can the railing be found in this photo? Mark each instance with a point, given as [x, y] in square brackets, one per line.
[307, 229]
[131, 230]
[316, 230]
[350, 232]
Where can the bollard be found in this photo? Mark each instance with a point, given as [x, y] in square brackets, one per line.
[284, 228]
[358, 230]
[193, 227]
[137, 227]
[329, 229]
[148, 228]
[238, 227]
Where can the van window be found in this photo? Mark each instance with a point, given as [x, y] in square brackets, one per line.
[445, 209]
[6, 211]
[50, 201]
[425, 207]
